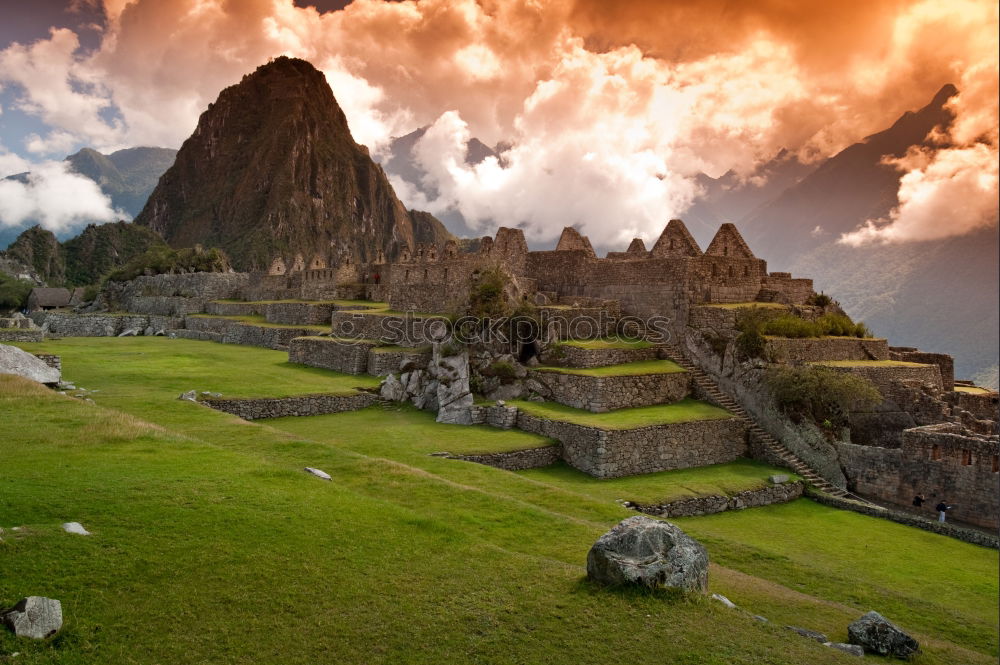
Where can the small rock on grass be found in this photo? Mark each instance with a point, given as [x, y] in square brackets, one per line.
[35, 617]
[75, 527]
[852, 649]
[318, 473]
[811, 634]
[876, 633]
[725, 601]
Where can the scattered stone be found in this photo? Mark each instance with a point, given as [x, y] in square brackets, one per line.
[21, 363]
[35, 617]
[66, 385]
[760, 618]
[319, 474]
[131, 332]
[191, 396]
[778, 478]
[811, 634]
[879, 635]
[641, 550]
[75, 527]
[148, 332]
[160, 333]
[725, 601]
[852, 649]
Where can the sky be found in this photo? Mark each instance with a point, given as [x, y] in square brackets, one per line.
[607, 111]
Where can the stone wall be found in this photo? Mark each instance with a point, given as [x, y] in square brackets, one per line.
[298, 314]
[606, 393]
[50, 360]
[810, 349]
[940, 461]
[21, 335]
[383, 362]
[566, 355]
[973, 536]
[717, 503]
[173, 295]
[496, 415]
[237, 332]
[614, 453]
[981, 405]
[102, 325]
[516, 460]
[220, 308]
[884, 376]
[299, 405]
[389, 329]
[944, 362]
[347, 356]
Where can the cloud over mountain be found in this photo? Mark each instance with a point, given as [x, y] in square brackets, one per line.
[610, 111]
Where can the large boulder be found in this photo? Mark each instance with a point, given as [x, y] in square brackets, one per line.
[454, 398]
[651, 553]
[15, 361]
[877, 634]
[35, 617]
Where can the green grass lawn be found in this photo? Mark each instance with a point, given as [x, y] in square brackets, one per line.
[151, 369]
[608, 343]
[261, 321]
[686, 410]
[638, 368]
[867, 363]
[211, 545]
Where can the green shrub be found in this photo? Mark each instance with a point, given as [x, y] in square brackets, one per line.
[503, 371]
[13, 292]
[751, 343]
[486, 297]
[819, 300]
[820, 394]
[789, 325]
[161, 260]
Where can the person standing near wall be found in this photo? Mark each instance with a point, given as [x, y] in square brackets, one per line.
[918, 500]
[942, 508]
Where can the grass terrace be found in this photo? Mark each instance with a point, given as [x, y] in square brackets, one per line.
[741, 305]
[621, 343]
[340, 340]
[867, 363]
[639, 368]
[972, 390]
[686, 410]
[344, 303]
[650, 488]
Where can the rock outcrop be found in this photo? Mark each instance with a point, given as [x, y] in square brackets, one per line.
[650, 553]
[443, 387]
[21, 363]
[272, 172]
[876, 634]
[35, 617]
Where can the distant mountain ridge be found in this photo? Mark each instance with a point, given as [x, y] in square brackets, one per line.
[272, 172]
[126, 176]
[940, 296]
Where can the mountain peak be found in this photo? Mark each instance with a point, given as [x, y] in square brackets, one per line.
[272, 171]
[946, 92]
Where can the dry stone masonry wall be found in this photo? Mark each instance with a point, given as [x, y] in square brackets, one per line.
[301, 405]
[606, 393]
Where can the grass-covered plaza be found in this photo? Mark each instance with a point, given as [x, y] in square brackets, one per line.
[211, 545]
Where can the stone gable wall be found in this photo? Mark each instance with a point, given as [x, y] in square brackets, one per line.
[606, 393]
[981, 405]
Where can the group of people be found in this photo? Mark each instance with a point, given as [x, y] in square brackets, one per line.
[942, 508]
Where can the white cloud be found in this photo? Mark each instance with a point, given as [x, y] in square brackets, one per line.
[55, 198]
[54, 143]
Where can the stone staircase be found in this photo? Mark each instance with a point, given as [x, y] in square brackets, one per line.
[760, 436]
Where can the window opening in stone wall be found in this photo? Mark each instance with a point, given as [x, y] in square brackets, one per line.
[406, 277]
[715, 270]
[966, 457]
[935, 452]
[732, 271]
[425, 274]
[746, 271]
[725, 250]
[446, 274]
[996, 464]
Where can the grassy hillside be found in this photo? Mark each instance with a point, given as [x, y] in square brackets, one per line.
[210, 545]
